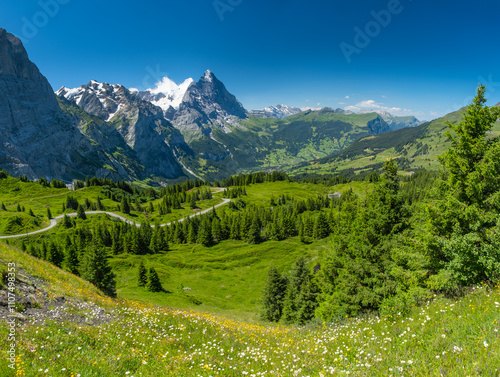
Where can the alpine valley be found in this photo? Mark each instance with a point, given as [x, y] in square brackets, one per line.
[165, 134]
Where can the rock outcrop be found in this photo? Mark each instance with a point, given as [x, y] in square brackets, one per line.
[36, 138]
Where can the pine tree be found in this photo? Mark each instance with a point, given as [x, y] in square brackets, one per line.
[273, 296]
[191, 237]
[31, 213]
[254, 236]
[154, 284]
[67, 222]
[216, 230]
[71, 263]
[49, 214]
[193, 205]
[142, 278]
[54, 254]
[95, 269]
[298, 277]
[205, 233]
[18, 209]
[321, 228]
[125, 205]
[306, 303]
[463, 218]
[99, 205]
[80, 213]
[3, 207]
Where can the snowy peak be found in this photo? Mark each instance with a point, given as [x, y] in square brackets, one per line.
[100, 99]
[277, 112]
[167, 93]
[209, 76]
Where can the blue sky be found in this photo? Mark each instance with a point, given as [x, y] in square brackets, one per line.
[416, 56]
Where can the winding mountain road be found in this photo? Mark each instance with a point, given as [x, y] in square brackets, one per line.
[53, 222]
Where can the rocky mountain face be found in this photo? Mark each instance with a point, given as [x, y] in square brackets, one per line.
[111, 131]
[276, 112]
[395, 122]
[142, 125]
[36, 138]
[205, 105]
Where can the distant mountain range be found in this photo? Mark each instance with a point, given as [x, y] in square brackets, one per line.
[170, 132]
[414, 147]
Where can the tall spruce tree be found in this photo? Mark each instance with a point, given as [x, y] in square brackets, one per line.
[356, 273]
[95, 269]
[142, 276]
[125, 205]
[154, 283]
[321, 228]
[71, 263]
[463, 217]
[80, 213]
[299, 276]
[254, 235]
[273, 296]
[205, 233]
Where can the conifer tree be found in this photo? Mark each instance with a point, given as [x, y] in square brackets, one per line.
[254, 232]
[99, 205]
[291, 305]
[273, 296]
[49, 214]
[154, 284]
[191, 237]
[54, 254]
[192, 204]
[142, 278]
[321, 229]
[125, 205]
[463, 218]
[18, 209]
[70, 263]
[216, 230]
[3, 207]
[80, 213]
[234, 232]
[31, 213]
[205, 233]
[67, 221]
[95, 269]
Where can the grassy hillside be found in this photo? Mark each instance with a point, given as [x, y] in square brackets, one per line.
[259, 143]
[415, 148]
[38, 198]
[121, 337]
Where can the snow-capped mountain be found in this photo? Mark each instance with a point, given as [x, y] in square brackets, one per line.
[166, 94]
[142, 125]
[206, 104]
[277, 112]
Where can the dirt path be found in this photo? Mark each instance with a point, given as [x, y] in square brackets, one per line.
[53, 222]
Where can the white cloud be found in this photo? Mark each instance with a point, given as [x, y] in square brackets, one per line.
[347, 97]
[352, 108]
[375, 106]
[369, 104]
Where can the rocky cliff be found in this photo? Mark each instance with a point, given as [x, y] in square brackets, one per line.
[36, 138]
